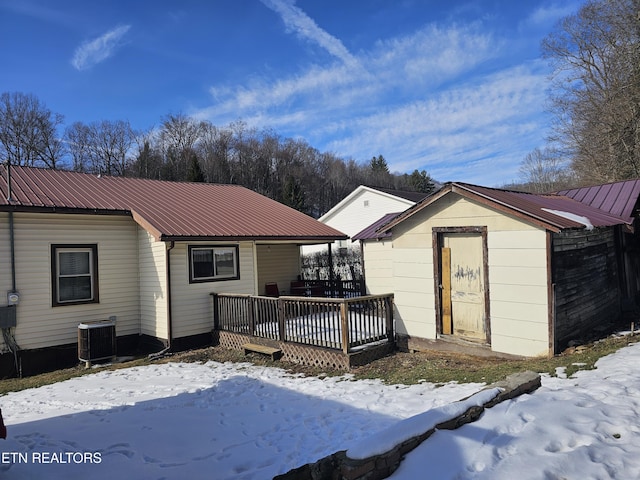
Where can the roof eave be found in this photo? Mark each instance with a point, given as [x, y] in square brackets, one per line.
[310, 239]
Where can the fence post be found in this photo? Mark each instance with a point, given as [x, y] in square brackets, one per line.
[216, 312]
[344, 321]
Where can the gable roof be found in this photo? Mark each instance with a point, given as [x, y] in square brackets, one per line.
[411, 196]
[167, 210]
[617, 198]
[403, 198]
[552, 212]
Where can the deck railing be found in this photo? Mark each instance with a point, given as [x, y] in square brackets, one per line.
[336, 323]
[337, 288]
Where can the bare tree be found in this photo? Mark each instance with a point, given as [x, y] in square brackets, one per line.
[100, 147]
[596, 96]
[28, 131]
[544, 171]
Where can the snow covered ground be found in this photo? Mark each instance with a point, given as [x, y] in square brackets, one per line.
[237, 421]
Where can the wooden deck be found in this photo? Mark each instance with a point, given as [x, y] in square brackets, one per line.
[344, 324]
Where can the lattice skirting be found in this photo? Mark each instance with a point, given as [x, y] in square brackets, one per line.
[306, 354]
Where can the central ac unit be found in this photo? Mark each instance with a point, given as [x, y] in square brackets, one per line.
[96, 341]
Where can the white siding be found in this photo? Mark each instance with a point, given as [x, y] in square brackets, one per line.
[40, 324]
[191, 303]
[363, 209]
[517, 269]
[378, 265]
[153, 285]
[279, 264]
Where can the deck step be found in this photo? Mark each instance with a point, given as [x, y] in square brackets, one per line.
[274, 353]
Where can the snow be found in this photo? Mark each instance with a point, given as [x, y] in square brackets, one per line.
[572, 216]
[238, 421]
[402, 431]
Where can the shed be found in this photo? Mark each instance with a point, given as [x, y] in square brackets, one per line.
[508, 271]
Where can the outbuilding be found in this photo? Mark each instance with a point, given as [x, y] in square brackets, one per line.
[507, 271]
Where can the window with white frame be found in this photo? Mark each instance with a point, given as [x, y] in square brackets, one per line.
[213, 263]
[74, 274]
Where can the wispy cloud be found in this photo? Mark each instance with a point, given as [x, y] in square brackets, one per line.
[92, 52]
[299, 22]
[434, 99]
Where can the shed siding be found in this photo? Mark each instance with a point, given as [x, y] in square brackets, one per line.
[517, 260]
[191, 304]
[41, 325]
[585, 272]
[279, 264]
[378, 266]
[153, 285]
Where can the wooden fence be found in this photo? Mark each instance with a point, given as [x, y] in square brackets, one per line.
[336, 323]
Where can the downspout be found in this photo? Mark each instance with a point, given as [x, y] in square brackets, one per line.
[7, 335]
[169, 318]
[167, 348]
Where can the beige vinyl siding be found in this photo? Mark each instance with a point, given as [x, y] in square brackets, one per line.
[279, 264]
[413, 290]
[153, 285]
[5, 265]
[191, 303]
[518, 292]
[378, 266]
[517, 268]
[40, 324]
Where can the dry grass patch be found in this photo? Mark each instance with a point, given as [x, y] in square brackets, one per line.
[400, 368]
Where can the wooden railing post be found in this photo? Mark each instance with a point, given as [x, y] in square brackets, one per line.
[281, 322]
[388, 305]
[344, 321]
[216, 312]
[251, 314]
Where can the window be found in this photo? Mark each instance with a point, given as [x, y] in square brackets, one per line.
[211, 264]
[74, 274]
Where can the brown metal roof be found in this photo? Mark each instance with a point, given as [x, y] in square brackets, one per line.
[617, 198]
[373, 231]
[536, 209]
[168, 210]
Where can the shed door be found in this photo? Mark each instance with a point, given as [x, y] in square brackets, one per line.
[462, 298]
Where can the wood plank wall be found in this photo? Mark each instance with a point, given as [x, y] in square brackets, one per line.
[585, 273]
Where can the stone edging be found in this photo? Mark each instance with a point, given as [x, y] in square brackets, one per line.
[339, 466]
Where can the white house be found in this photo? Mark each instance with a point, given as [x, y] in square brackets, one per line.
[360, 209]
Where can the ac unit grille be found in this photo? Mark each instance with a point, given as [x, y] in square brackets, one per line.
[96, 341]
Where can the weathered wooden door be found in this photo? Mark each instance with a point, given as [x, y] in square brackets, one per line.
[462, 285]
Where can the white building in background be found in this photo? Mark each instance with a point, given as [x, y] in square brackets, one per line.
[360, 209]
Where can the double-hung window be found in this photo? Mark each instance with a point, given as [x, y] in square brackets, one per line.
[213, 263]
[74, 274]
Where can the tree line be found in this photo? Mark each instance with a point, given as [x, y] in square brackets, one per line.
[183, 149]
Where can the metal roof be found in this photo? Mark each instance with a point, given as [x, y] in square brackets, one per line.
[168, 210]
[371, 232]
[617, 198]
[553, 212]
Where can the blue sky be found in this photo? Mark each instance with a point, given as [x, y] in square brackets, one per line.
[457, 88]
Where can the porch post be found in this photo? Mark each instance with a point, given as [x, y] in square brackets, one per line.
[331, 279]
